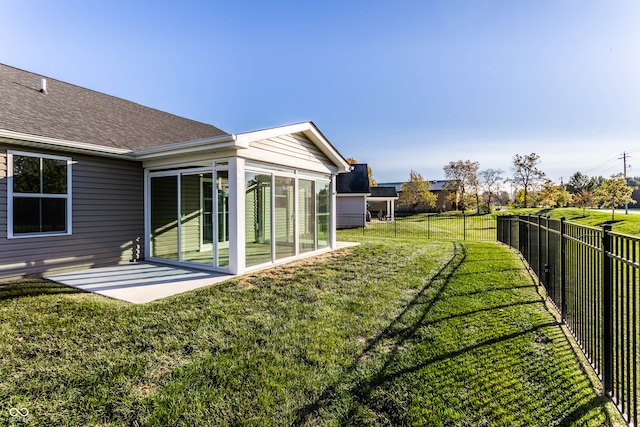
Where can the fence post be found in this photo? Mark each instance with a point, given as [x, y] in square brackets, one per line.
[563, 274]
[607, 299]
[428, 226]
[395, 228]
[528, 257]
[540, 270]
[464, 226]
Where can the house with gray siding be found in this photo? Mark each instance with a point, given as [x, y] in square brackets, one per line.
[90, 180]
[352, 192]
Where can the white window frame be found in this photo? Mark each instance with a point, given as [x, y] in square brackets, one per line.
[11, 194]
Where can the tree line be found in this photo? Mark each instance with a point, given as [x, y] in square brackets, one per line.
[470, 188]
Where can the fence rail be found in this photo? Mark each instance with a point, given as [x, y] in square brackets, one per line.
[592, 275]
[422, 226]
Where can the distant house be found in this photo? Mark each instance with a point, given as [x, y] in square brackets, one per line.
[382, 202]
[351, 199]
[88, 179]
[438, 187]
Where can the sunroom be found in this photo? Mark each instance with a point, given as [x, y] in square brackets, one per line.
[236, 203]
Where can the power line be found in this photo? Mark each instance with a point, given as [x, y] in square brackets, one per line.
[610, 161]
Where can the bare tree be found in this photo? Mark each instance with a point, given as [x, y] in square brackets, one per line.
[462, 177]
[526, 174]
[490, 180]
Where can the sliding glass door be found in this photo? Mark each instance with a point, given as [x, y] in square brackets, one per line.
[222, 225]
[185, 216]
[163, 222]
[257, 218]
[285, 217]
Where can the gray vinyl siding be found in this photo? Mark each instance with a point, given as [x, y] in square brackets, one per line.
[107, 227]
[3, 196]
[350, 211]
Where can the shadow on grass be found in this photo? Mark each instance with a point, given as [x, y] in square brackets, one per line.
[495, 391]
[33, 287]
[582, 412]
[439, 281]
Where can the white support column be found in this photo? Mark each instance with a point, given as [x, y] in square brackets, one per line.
[296, 214]
[332, 214]
[236, 216]
[147, 215]
[392, 210]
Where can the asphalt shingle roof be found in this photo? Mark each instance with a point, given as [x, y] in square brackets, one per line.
[356, 181]
[78, 114]
[436, 185]
[384, 192]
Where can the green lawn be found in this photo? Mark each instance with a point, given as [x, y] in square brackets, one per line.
[391, 332]
[452, 226]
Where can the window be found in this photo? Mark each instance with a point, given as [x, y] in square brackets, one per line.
[39, 198]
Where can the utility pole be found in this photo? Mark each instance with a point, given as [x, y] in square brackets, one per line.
[624, 163]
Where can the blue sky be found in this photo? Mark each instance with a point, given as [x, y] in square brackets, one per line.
[399, 85]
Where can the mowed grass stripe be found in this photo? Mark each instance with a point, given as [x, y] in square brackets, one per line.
[390, 332]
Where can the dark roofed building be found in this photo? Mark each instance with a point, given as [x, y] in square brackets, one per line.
[384, 192]
[352, 192]
[438, 187]
[354, 182]
[381, 202]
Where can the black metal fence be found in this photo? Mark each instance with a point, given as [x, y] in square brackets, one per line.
[592, 276]
[422, 226]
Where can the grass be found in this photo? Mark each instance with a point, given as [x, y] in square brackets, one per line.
[392, 332]
[452, 226]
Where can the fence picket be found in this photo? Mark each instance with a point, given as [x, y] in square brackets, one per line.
[598, 277]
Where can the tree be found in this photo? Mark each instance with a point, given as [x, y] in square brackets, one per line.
[372, 182]
[578, 182]
[564, 197]
[490, 180]
[462, 177]
[614, 192]
[526, 174]
[548, 194]
[415, 193]
[584, 199]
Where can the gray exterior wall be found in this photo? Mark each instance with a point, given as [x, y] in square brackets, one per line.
[350, 211]
[108, 220]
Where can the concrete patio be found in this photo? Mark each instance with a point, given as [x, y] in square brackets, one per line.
[143, 282]
[139, 282]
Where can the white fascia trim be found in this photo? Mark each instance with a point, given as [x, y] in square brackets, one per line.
[353, 194]
[381, 199]
[186, 147]
[27, 140]
[307, 128]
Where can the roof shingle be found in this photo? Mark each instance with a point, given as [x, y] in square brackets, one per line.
[354, 182]
[78, 114]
